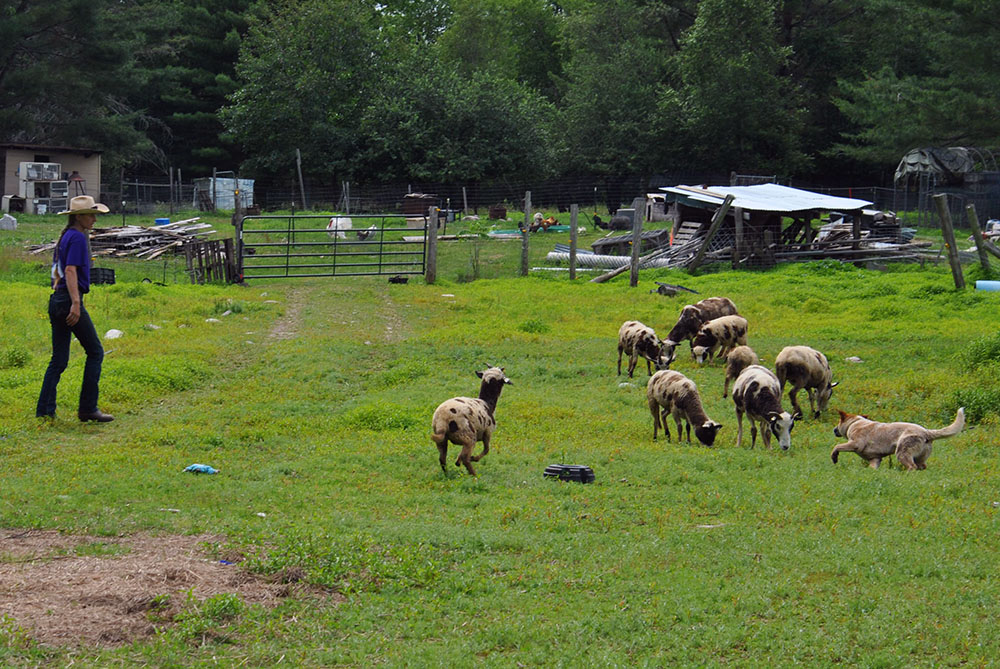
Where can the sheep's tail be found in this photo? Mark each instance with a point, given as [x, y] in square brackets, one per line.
[952, 429]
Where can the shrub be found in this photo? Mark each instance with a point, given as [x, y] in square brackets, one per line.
[14, 356]
[978, 402]
[982, 351]
[534, 326]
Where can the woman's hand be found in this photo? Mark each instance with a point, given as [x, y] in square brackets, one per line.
[74, 314]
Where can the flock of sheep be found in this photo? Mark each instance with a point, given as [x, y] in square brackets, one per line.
[713, 327]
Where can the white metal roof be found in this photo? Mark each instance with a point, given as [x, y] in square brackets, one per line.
[768, 197]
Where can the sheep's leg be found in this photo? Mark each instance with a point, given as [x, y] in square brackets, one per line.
[649, 368]
[443, 450]
[633, 360]
[753, 433]
[486, 448]
[619, 360]
[680, 433]
[795, 404]
[765, 435]
[725, 388]
[739, 428]
[654, 408]
[465, 457]
[811, 392]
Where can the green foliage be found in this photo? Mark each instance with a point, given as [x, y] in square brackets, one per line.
[982, 351]
[534, 326]
[380, 417]
[14, 356]
[979, 403]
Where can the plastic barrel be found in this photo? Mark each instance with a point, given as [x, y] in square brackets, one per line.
[162, 221]
[988, 285]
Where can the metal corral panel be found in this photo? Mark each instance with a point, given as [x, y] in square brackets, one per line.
[764, 197]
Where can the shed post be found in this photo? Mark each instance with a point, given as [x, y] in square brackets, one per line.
[717, 218]
[977, 232]
[948, 232]
[430, 272]
[525, 233]
[638, 209]
[738, 243]
[574, 210]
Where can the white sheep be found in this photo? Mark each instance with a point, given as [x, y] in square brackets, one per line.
[676, 394]
[738, 359]
[466, 420]
[723, 334]
[335, 228]
[635, 340]
[807, 368]
[757, 394]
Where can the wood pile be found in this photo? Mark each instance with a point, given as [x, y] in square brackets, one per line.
[136, 241]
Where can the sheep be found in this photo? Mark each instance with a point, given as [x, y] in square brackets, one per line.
[724, 333]
[757, 394]
[335, 228]
[678, 395]
[738, 359]
[807, 368]
[636, 340]
[693, 316]
[465, 420]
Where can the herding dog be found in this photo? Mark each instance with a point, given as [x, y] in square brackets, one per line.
[873, 440]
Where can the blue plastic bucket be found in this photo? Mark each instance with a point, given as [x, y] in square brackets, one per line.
[163, 221]
[988, 285]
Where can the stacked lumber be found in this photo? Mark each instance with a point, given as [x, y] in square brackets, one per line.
[137, 241]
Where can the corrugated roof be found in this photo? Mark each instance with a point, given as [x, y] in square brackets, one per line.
[767, 197]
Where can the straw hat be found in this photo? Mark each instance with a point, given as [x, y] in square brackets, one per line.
[84, 204]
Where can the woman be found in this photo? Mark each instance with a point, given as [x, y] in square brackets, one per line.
[68, 316]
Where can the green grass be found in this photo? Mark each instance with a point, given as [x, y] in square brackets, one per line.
[676, 555]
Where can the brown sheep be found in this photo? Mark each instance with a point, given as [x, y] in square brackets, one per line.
[677, 395]
[738, 359]
[757, 394]
[807, 368]
[693, 316]
[464, 420]
[722, 334]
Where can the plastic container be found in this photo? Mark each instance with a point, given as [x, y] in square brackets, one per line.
[578, 473]
[162, 221]
[99, 275]
[988, 285]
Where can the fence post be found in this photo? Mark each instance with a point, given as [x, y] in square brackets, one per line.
[948, 232]
[638, 213]
[430, 275]
[970, 212]
[720, 215]
[574, 209]
[525, 233]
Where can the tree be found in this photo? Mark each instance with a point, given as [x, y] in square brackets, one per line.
[740, 113]
[64, 78]
[305, 74]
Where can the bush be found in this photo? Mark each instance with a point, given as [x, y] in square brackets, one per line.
[982, 351]
[978, 402]
[14, 357]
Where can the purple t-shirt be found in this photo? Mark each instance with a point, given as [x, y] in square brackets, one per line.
[73, 250]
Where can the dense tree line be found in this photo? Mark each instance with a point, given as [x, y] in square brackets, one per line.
[468, 90]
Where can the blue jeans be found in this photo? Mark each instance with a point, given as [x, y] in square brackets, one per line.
[59, 305]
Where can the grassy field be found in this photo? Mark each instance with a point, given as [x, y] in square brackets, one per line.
[314, 398]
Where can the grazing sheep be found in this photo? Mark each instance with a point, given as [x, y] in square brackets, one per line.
[757, 394]
[738, 359]
[335, 228]
[636, 339]
[693, 316]
[724, 333]
[807, 368]
[678, 395]
[464, 420]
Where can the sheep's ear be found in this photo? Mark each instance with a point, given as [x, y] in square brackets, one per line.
[479, 374]
[835, 384]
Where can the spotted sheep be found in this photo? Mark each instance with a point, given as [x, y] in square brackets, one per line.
[677, 395]
[738, 359]
[722, 334]
[335, 228]
[807, 368]
[693, 316]
[466, 420]
[635, 340]
[757, 394]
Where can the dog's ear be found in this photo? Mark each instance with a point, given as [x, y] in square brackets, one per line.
[843, 415]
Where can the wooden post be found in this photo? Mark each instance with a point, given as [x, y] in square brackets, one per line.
[574, 209]
[638, 209]
[948, 232]
[977, 233]
[717, 218]
[171, 169]
[738, 243]
[430, 272]
[214, 178]
[465, 202]
[298, 167]
[525, 233]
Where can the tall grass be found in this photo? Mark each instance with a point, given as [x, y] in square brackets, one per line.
[676, 555]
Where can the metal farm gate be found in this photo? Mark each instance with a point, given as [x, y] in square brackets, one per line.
[271, 247]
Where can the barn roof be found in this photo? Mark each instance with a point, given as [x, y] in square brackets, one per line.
[763, 197]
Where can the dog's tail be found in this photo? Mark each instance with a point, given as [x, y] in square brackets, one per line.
[952, 429]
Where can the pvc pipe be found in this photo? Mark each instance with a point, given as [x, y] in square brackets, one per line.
[988, 285]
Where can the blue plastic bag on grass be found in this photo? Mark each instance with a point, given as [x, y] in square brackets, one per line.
[201, 469]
